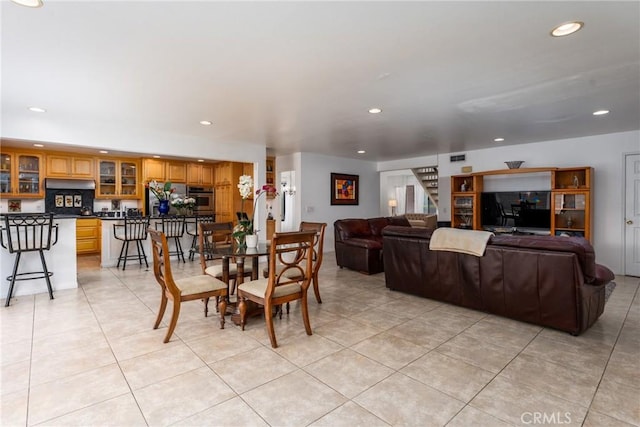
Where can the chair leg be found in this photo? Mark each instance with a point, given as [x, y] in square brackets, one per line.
[179, 250]
[174, 320]
[144, 255]
[194, 248]
[13, 278]
[316, 289]
[124, 244]
[305, 315]
[46, 274]
[268, 319]
[163, 306]
[206, 306]
[222, 308]
[126, 254]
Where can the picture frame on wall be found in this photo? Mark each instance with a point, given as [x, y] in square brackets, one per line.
[344, 189]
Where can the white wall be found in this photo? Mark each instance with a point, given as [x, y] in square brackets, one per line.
[313, 185]
[605, 153]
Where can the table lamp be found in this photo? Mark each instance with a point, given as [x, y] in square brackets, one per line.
[392, 204]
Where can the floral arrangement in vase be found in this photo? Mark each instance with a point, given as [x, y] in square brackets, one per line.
[245, 187]
[162, 192]
[183, 204]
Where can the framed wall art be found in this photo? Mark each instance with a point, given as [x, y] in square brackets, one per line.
[344, 189]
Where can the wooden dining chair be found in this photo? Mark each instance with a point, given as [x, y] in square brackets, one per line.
[318, 248]
[197, 287]
[291, 251]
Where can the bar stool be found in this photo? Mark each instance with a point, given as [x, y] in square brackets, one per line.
[204, 219]
[28, 233]
[134, 229]
[173, 228]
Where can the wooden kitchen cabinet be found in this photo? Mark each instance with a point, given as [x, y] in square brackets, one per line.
[118, 179]
[200, 174]
[153, 169]
[61, 166]
[227, 197]
[21, 175]
[176, 172]
[88, 235]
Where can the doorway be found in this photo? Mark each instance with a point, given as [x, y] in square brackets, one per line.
[632, 215]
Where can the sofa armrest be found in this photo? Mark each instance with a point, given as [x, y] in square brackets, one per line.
[603, 276]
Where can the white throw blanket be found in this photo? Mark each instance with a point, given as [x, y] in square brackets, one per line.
[470, 242]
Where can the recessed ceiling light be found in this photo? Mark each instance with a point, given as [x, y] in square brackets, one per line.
[200, 160]
[375, 110]
[29, 3]
[600, 112]
[567, 28]
[103, 151]
[361, 151]
[205, 123]
[156, 157]
[37, 110]
[38, 145]
[498, 139]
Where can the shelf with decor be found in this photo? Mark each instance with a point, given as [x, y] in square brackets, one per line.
[465, 198]
[271, 174]
[571, 202]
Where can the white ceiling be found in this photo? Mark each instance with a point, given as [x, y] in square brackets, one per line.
[300, 76]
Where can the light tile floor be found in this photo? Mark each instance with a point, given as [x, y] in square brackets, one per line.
[376, 358]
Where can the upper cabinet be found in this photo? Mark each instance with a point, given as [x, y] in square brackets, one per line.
[200, 174]
[176, 172]
[153, 169]
[61, 166]
[21, 175]
[118, 179]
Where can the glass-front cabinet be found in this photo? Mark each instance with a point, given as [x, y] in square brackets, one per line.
[20, 175]
[118, 179]
[465, 201]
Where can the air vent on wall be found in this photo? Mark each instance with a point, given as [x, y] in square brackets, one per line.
[458, 158]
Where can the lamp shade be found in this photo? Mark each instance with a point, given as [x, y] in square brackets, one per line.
[393, 203]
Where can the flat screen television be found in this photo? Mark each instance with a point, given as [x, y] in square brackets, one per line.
[520, 209]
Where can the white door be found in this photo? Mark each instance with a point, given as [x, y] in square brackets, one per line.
[632, 215]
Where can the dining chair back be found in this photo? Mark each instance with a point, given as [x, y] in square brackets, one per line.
[290, 274]
[198, 287]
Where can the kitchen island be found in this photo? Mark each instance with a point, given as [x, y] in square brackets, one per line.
[60, 259]
[111, 246]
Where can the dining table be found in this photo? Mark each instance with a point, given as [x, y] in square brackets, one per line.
[238, 254]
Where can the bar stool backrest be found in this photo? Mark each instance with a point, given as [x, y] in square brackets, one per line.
[135, 228]
[173, 226]
[29, 232]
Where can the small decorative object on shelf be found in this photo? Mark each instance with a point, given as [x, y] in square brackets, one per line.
[514, 164]
[576, 181]
[464, 187]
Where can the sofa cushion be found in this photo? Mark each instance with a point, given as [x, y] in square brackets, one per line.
[364, 243]
[350, 228]
[603, 275]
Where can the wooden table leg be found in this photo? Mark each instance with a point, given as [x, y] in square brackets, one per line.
[235, 317]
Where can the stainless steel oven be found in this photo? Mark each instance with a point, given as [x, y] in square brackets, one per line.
[204, 199]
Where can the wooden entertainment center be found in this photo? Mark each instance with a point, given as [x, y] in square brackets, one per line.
[571, 201]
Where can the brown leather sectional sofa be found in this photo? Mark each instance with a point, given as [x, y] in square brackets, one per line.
[358, 242]
[546, 280]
